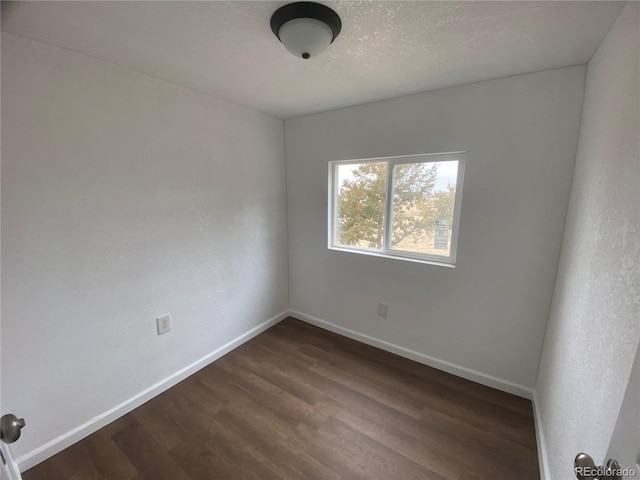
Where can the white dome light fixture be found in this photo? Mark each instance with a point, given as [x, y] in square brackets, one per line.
[306, 29]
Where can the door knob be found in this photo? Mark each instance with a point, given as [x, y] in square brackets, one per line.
[10, 427]
[586, 469]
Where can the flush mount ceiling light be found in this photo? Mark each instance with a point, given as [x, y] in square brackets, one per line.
[306, 29]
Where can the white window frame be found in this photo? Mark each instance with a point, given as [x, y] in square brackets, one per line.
[442, 260]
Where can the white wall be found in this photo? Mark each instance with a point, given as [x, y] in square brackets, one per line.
[125, 197]
[625, 445]
[489, 313]
[594, 324]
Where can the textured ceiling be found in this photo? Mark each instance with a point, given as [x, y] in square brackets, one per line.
[386, 48]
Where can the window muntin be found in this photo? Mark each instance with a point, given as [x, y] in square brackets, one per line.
[420, 221]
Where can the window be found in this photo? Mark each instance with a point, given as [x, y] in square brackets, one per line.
[400, 207]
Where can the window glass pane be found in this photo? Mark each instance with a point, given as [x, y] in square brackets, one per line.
[422, 210]
[361, 195]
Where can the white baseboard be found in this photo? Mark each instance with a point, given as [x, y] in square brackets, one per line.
[543, 459]
[67, 439]
[469, 374]
[10, 470]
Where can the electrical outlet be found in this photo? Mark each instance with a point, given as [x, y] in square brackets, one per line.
[163, 323]
[383, 309]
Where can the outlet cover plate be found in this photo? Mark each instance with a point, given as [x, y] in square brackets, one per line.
[163, 323]
[383, 310]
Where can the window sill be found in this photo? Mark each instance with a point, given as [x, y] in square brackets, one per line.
[392, 256]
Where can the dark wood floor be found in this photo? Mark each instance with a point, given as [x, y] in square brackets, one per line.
[300, 402]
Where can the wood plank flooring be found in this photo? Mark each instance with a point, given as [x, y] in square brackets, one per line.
[298, 402]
